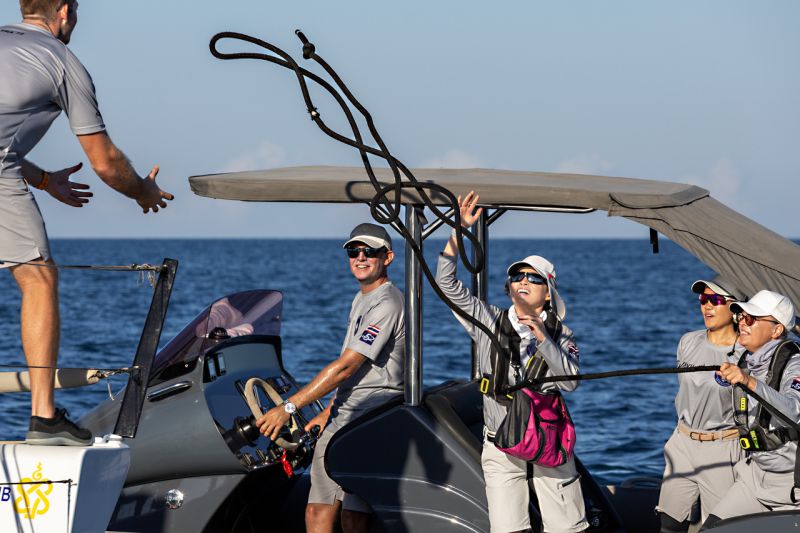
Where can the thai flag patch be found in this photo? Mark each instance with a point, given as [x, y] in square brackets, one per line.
[573, 349]
[370, 334]
[796, 383]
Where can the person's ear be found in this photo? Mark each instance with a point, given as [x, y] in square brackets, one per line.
[63, 12]
[389, 258]
[778, 331]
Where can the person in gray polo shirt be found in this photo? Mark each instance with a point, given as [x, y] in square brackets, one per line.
[765, 479]
[368, 372]
[39, 78]
[702, 451]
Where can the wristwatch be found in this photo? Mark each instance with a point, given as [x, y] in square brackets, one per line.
[289, 407]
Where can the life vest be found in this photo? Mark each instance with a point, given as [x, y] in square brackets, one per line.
[495, 383]
[759, 437]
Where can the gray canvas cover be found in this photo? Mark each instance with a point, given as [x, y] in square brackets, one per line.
[747, 253]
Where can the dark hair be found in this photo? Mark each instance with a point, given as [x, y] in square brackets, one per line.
[45, 9]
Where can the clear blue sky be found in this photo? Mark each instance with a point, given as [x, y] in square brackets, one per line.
[697, 92]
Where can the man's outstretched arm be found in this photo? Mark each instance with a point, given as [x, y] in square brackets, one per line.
[323, 383]
[114, 168]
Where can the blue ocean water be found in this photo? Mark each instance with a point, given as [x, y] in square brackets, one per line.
[627, 306]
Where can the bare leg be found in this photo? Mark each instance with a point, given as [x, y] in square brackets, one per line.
[321, 517]
[40, 327]
[355, 521]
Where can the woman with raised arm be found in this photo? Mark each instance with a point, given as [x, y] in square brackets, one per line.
[533, 330]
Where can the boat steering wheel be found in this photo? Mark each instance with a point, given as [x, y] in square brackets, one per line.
[251, 397]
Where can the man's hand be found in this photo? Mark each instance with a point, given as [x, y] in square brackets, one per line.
[66, 191]
[272, 421]
[319, 420]
[151, 195]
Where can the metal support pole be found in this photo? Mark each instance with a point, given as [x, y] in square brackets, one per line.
[413, 312]
[481, 279]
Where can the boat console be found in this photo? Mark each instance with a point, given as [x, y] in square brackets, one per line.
[197, 429]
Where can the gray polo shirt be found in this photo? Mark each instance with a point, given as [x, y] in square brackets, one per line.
[377, 331]
[703, 402]
[561, 354]
[39, 78]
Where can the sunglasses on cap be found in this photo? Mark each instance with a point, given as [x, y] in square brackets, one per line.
[713, 299]
[532, 277]
[369, 252]
[749, 320]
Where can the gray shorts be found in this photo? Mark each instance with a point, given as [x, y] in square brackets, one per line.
[23, 236]
[507, 491]
[695, 471]
[323, 488]
[756, 491]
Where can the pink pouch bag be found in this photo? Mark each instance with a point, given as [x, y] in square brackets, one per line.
[537, 428]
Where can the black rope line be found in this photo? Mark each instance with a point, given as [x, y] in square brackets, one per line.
[610, 374]
[380, 200]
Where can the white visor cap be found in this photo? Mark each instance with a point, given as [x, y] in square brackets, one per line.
[546, 269]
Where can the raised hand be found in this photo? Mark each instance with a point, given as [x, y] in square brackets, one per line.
[151, 196]
[66, 191]
[469, 210]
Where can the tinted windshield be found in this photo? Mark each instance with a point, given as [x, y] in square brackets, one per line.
[243, 313]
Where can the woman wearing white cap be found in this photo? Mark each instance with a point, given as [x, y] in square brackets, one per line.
[703, 449]
[765, 481]
[533, 325]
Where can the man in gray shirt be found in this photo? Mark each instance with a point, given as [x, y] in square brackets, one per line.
[368, 372]
[39, 78]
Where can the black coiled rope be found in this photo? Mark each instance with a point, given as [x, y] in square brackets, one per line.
[382, 209]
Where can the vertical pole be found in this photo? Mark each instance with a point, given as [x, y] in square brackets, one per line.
[480, 280]
[413, 311]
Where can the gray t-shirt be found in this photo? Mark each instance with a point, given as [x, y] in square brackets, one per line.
[39, 78]
[703, 403]
[377, 331]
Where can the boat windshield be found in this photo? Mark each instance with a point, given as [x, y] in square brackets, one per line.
[256, 312]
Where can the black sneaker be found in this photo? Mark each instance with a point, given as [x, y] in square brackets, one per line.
[57, 431]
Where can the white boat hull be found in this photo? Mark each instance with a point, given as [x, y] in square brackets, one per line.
[53, 489]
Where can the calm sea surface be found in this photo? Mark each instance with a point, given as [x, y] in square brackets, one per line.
[627, 306]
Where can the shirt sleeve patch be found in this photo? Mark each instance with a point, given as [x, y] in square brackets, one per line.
[370, 334]
[796, 383]
[573, 349]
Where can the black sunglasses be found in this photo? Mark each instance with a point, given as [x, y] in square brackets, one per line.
[369, 252]
[533, 277]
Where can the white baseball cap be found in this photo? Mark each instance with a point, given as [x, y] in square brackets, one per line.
[548, 272]
[768, 303]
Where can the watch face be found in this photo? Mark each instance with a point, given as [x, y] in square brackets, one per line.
[289, 407]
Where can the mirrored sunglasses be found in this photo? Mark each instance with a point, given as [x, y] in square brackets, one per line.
[713, 299]
[532, 277]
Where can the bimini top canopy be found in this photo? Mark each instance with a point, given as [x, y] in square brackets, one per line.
[743, 251]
